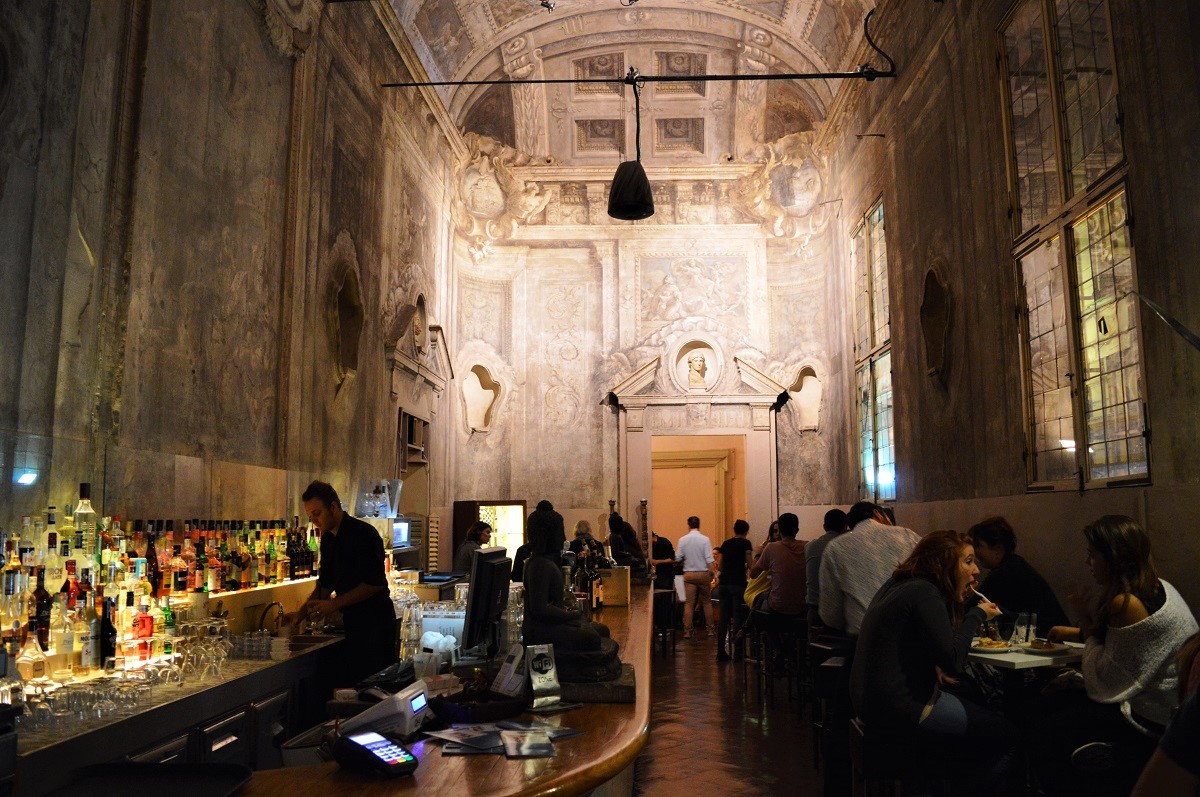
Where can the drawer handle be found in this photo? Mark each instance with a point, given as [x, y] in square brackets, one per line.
[224, 741]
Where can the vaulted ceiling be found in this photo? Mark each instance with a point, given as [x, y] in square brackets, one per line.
[682, 123]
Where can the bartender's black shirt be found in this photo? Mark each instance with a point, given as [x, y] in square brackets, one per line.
[351, 557]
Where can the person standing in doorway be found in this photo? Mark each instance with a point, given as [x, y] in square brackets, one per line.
[734, 553]
[695, 551]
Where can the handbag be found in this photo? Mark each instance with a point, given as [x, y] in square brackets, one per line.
[680, 592]
[757, 590]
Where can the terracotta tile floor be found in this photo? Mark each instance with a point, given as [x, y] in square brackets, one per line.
[708, 737]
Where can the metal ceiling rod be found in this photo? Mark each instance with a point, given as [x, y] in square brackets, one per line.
[864, 72]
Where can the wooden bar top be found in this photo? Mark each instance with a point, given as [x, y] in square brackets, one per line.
[613, 735]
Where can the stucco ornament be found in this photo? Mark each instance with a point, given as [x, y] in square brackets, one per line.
[784, 191]
[291, 24]
[491, 198]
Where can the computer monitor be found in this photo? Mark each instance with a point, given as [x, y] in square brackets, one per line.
[487, 599]
[401, 532]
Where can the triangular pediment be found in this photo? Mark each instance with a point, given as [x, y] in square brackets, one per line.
[638, 381]
[756, 380]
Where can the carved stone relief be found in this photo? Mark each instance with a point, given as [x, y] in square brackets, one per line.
[677, 65]
[523, 62]
[697, 365]
[679, 135]
[600, 135]
[291, 24]
[784, 192]
[485, 312]
[677, 285]
[610, 66]
[491, 198]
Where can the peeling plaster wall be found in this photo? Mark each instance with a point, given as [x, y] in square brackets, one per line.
[202, 337]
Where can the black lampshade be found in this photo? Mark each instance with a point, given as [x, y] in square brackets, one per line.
[630, 197]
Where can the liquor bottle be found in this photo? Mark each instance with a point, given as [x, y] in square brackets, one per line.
[25, 545]
[270, 566]
[85, 524]
[178, 571]
[71, 585]
[43, 604]
[257, 556]
[143, 622]
[66, 534]
[26, 606]
[108, 631]
[54, 561]
[200, 576]
[12, 610]
[63, 633]
[15, 684]
[169, 624]
[51, 528]
[31, 661]
[153, 572]
[314, 551]
[89, 657]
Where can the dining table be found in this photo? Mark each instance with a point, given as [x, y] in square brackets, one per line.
[1015, 662]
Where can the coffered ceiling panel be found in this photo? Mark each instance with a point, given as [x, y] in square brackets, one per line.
[683, 122]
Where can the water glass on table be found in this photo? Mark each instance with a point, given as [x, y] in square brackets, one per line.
[1026, 628]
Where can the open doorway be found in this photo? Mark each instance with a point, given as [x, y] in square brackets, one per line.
[701, 475]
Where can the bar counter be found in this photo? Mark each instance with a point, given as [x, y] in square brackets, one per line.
[613, 735]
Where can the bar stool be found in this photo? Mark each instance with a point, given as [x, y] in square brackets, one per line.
[826, 663]
[891, 760]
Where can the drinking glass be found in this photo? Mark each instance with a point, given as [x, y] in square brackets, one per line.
[1022, 633]
[1005, 626]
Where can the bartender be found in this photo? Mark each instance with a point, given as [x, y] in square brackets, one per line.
[351, 582]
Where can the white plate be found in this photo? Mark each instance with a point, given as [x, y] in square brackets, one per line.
[991, 651]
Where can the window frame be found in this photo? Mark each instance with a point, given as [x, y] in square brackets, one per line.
[874, 351]
[1059, 223]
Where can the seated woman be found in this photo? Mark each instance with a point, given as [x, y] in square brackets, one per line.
[478, 536]
[773, 535]
[584, 539]
[546, 619]
[1132, 635]
[914, 633]
[1011, 581]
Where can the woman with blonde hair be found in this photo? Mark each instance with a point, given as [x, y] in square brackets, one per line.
[915, 636]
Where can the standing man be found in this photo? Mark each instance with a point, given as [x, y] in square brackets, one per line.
[734, 553]
[695, 551]
[855, 565]
[835, 524]
[352, 582]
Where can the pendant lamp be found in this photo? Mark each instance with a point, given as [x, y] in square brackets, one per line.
[630, 197]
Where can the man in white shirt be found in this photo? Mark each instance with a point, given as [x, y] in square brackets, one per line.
[695, 551]
[855, 565]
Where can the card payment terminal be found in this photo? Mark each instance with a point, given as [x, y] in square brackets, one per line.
[372, 752]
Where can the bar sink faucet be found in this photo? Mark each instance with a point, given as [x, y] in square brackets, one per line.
[278, 617]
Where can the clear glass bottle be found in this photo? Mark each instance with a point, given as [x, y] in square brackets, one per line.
[85, 524]
[31, 661]
[62, 633]
[25, 546]
[13, 685]
[54, 560]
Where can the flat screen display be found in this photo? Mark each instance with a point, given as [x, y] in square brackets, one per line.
[401, 528]
[417, 703]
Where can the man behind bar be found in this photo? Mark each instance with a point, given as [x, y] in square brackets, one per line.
[351, 581]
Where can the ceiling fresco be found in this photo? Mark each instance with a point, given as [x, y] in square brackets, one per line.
[683, 123]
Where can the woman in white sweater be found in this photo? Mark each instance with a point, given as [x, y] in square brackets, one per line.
[1131, 635]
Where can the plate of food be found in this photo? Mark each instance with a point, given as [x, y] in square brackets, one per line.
[1044, 648]
[989, 645]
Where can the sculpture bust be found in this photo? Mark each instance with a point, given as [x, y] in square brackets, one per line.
[696, 369]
